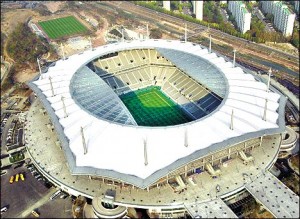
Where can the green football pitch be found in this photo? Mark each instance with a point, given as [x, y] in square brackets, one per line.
[60, 27]
[150, 107]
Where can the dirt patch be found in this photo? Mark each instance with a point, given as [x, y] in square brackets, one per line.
[54, 6]
[25, 75]
[99, 40]
[10, 19]
[286, 47]
[166, 36]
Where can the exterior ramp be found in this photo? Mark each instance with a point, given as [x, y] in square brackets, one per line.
[274, 196]
[215, 208]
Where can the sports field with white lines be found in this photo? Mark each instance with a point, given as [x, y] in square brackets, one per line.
[151, 107]
[60, 27]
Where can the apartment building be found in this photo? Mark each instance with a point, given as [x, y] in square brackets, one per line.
[240, 14]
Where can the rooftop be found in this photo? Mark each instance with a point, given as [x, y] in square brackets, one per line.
[42, 145]
[164, 146]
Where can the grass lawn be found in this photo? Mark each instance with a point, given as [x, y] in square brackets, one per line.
[150, 107]
[61, 27]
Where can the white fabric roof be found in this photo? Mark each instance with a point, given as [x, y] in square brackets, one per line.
[120, 147]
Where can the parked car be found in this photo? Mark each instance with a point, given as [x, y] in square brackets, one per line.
[34, 213]
[11, 179]
[4, 209]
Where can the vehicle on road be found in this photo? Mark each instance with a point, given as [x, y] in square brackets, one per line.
[17, 178]
[11, 179]
[34, 172]
[37, 176]
[57, 193]
[4, 209]
[63, 196]
[22, 177]
[34, 213]
[3, 172]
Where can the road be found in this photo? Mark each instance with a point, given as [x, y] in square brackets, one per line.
[5, 71]
[37, 204]
[261, 17]
[224, 15]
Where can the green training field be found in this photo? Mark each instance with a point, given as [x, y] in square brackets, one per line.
[150, 107]
[60, 27]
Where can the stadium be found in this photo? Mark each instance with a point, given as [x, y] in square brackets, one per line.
[162, 125]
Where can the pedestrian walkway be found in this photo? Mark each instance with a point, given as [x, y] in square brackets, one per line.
[41, 202]
[277, 198]
[210, 209]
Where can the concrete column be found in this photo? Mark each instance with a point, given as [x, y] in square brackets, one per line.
[261, 138]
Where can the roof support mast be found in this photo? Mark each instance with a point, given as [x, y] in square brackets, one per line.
[147, 29]
[233, 63]
[186, 143]
[265, 110]
[83, 141]
[64, 106]
[51, 86]
[269, 80]
[122, 34]
[209, 43]
[145, 152]
[38, 61]
[185, 33]
[231, 124]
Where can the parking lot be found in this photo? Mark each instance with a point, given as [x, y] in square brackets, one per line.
[58, 208]
[24, 196]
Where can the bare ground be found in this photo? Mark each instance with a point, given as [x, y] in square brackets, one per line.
[99, 39]
[10, 19]
[54, 6]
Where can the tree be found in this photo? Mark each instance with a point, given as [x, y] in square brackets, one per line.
[295, 38]
[24, 46]
[3, 38]
[270, 17]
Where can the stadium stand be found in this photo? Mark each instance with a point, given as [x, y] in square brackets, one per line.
[131, 70]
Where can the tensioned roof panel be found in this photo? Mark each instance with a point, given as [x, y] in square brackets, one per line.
[95, 96]
[117, 151]
[200, 69]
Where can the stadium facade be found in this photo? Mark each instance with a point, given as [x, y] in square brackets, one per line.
[102, 153]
